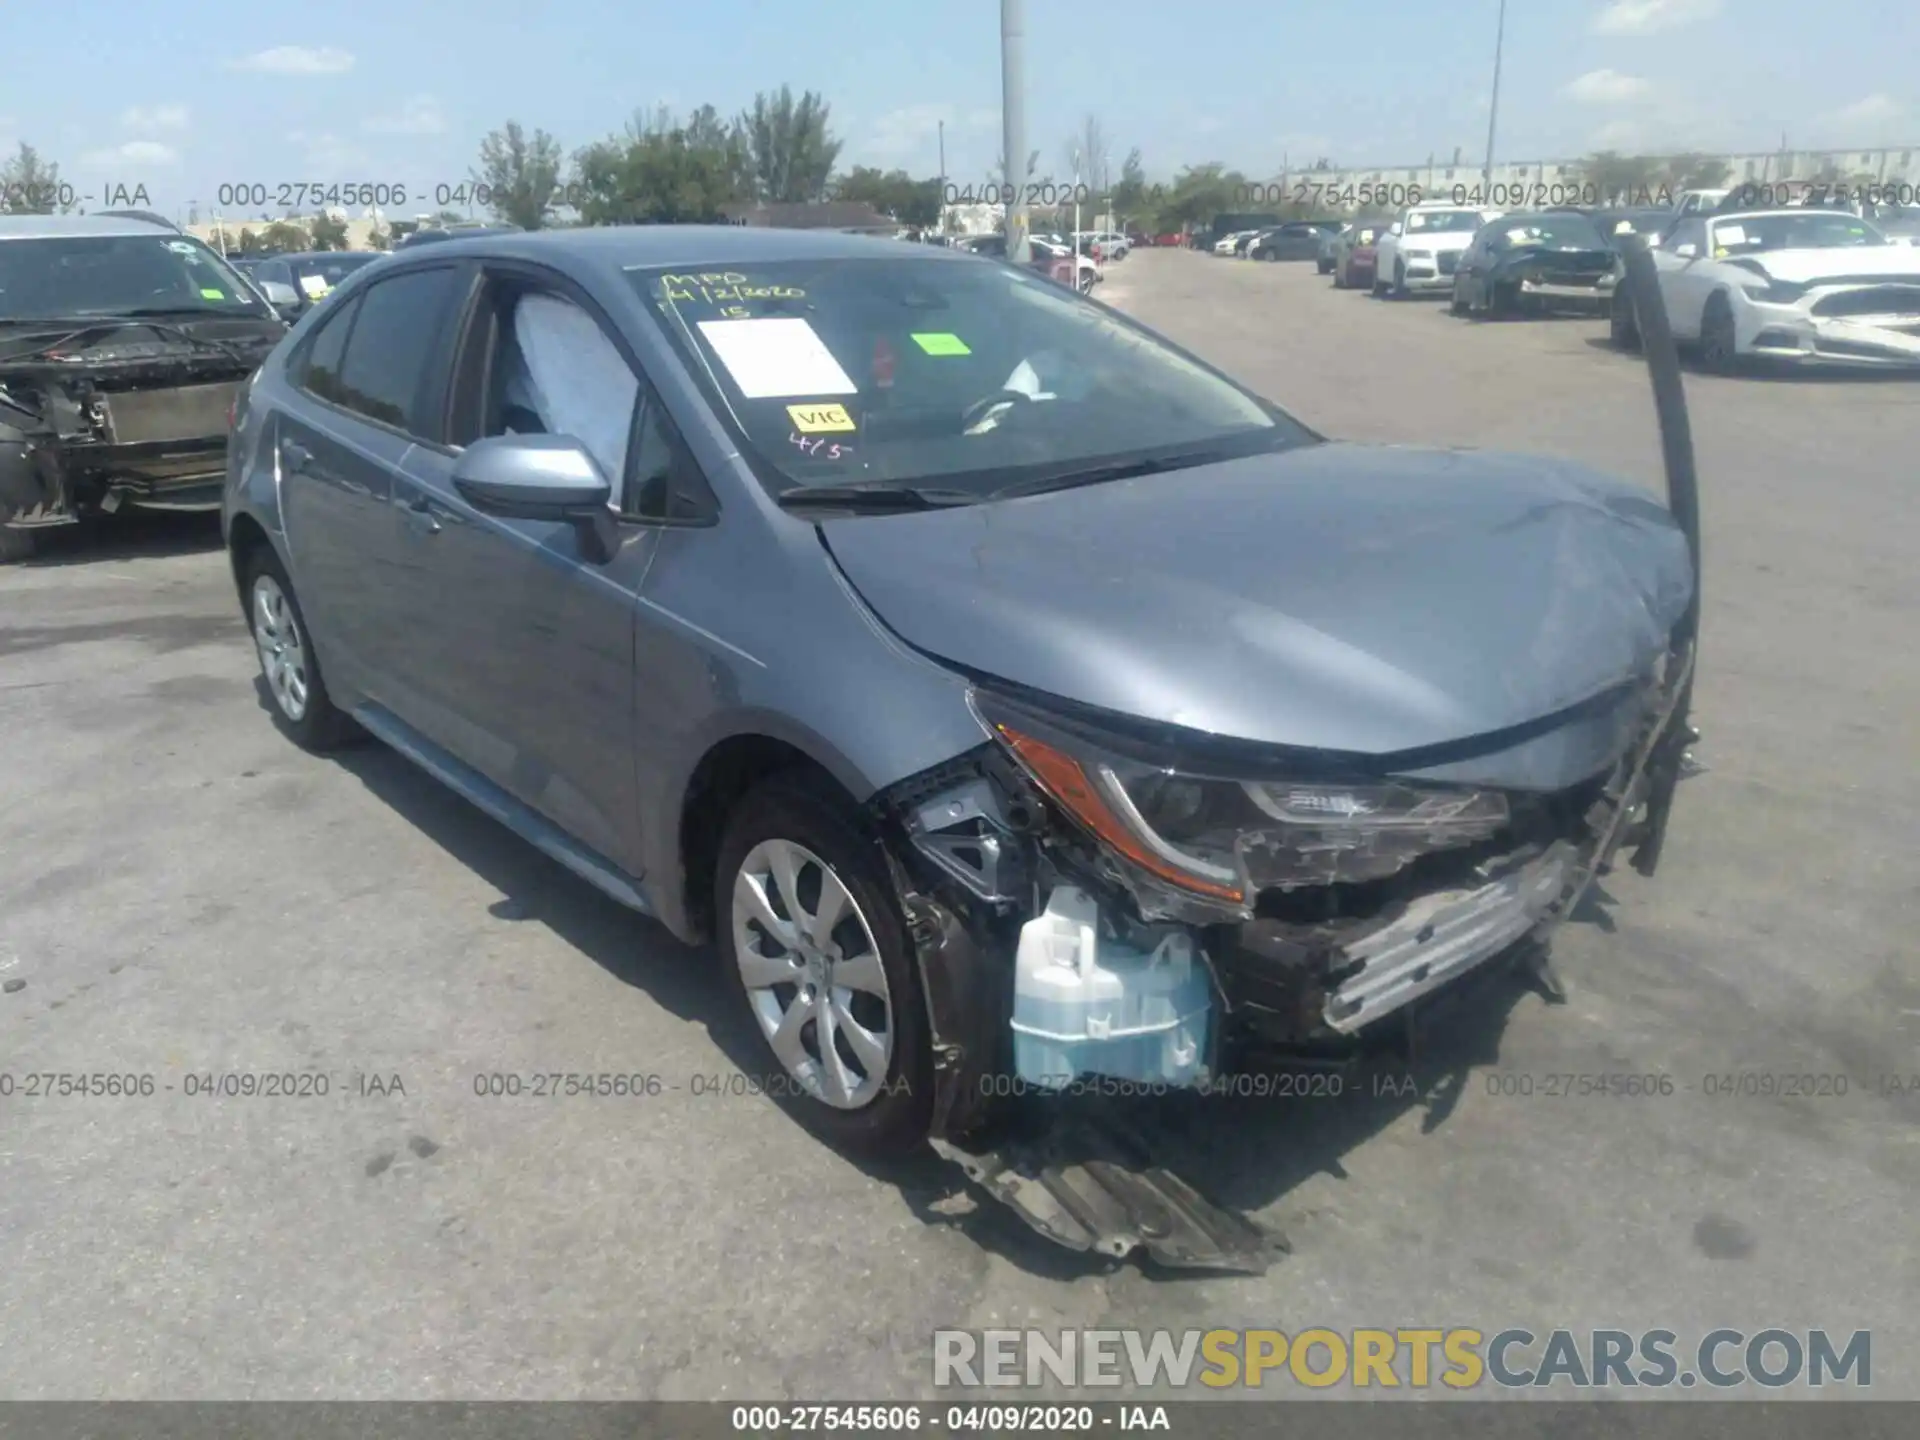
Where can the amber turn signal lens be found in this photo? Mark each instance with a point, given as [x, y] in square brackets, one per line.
[1062, 777]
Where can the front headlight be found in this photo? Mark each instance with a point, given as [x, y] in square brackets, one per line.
[1773, 292]
[1229, 839]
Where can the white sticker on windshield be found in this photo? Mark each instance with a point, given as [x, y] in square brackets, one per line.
[183, 247]
[1729, 235]
[314, 285]
[1519, 235]
[775, 359]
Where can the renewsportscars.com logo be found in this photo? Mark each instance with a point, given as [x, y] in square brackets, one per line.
[1455, 1359]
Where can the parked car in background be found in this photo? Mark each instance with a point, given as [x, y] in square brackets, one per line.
[796, 629]
[1646, 221]
[1420, 249]
[123, 346]
[1085, 267]
[1236, 223]
[1532, 263]
[312, 275]
[1796, 284]
[1354, 250]
[429, 235]
[1295, 240]
[1692, 202]
[1172, 240]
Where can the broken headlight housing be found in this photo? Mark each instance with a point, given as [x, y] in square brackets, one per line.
[1226, 840]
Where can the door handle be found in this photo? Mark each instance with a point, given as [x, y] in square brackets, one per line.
[295, 458]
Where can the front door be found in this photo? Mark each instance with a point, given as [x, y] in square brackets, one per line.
[524, 645]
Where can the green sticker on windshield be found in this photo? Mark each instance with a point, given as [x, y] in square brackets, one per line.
[942, 344]
[213, 294]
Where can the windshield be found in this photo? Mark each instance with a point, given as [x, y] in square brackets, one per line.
[1553, 232]
[81, 277]
[966, 374]
[1802, 230]
[1443, 221]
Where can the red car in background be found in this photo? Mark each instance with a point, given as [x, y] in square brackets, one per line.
[1171, 241]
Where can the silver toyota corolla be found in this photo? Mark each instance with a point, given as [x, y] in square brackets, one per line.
[1020, 705]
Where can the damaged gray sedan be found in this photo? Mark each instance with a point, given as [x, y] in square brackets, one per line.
[1020, 705]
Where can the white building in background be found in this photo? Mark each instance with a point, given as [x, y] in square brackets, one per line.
[1436, 179]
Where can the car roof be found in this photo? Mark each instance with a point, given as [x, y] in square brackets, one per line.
[74, 227]
[642, 246]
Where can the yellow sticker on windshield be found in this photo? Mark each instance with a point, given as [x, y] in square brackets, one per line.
[213, 294]
[942, 344]
[1721, 253]
[816, 419]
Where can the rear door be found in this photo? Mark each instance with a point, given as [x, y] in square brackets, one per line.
[382, 395]
[336, 487]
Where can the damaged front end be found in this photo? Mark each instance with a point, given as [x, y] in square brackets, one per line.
[88, 428]
[1120, 912]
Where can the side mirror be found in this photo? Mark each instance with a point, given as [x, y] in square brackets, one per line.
[282, 297]
[1395, 229]
[541, 477]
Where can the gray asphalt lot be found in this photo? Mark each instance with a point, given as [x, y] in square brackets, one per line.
[185, 893]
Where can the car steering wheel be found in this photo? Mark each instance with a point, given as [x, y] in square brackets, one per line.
[1001, 401]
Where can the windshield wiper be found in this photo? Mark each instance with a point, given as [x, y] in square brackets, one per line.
[1101, 474]
[878, 498]
[129, 320]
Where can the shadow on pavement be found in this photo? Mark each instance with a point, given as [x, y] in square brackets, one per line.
[131, 535]
[1247, 1150]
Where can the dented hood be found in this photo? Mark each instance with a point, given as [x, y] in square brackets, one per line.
[1343, 597]
[1841, 263]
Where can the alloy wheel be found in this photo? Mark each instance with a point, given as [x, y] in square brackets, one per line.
[813, 974]
[283, 654]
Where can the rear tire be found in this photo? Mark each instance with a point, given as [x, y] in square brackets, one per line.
[301, 705]
[876, 1097]
[17, 545]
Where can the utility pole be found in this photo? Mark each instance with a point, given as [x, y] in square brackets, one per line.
[943, 180]
[1013, 123]
[1493, 107]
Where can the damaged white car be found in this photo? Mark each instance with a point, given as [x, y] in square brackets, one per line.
[1801, 284]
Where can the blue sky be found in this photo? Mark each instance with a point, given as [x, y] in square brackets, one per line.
[185, 96]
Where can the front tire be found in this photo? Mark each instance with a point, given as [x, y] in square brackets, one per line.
[817, 953]
[1399, 279]
[302, 706]
[1456, 305]
[1717, 352]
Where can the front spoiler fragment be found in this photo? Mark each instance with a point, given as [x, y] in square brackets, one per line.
[1092, 1187]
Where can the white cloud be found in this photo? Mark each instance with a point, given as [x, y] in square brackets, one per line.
[327, 154]
[1870, 111]
[160, 117]
[418, 116]
[1622, 135]
[1649, 17]
[298, 60]
[903, 134]
[133, 152]
[1606, 87]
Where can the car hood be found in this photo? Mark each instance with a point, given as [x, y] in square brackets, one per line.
[1367, 599]
[1803, 267]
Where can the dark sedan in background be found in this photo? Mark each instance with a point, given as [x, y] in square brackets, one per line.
[1530, 264]
[1295, 240]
